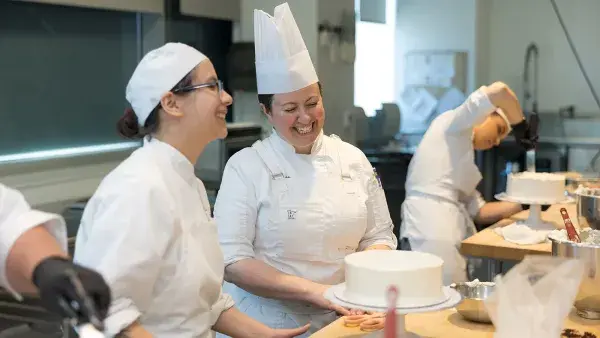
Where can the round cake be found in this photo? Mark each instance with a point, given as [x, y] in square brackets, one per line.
[536, 186]
[416, 275]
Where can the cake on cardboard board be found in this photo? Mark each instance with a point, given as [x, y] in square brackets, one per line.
[536, 186]
[416, 275]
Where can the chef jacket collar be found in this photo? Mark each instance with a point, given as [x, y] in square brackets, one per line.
[286, 147]
[180, 163]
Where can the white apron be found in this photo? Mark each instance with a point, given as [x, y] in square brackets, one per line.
[316, 221]
[440, 212]
[437, 222]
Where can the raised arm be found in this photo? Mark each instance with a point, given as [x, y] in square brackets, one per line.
[482, 103]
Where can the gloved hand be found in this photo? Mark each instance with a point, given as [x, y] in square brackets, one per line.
[526, 133]
[72, 291]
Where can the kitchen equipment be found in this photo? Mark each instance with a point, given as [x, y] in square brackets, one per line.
[575, 179]
[571, 232]
[86, 309]
[401, 331]
[530, 94]
[588, 210]
[210, 165]
[587, 301]
[472, 306]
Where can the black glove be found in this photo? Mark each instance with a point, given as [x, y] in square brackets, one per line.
[526, 133]
[544, 206]
[72, 291]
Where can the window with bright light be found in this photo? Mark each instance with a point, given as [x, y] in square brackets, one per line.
[374, 65]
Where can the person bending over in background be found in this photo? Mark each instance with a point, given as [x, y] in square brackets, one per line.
[441, 197]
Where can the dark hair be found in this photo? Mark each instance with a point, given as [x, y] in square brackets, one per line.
[267, 99]
[128, 125]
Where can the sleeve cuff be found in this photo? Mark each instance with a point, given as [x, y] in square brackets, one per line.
[475, 204]
[392, 244]
[237, 257]
[482, 103]
[122, 314]
[224, 303]
[24, 222]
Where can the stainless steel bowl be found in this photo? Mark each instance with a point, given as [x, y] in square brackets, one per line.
[588, 211]
[574, 180]
[472, 306]
[587, 301]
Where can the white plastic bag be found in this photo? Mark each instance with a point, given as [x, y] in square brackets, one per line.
[533, 299]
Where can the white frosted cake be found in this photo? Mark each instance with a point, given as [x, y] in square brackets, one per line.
[536, 186]
[416, 275]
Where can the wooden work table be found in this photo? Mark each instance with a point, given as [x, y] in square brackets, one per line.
[450, 324]
[488, 244]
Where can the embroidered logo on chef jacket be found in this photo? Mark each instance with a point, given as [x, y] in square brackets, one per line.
[291, 214]
[376, 176]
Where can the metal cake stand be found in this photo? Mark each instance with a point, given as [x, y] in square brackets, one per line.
[534, 221]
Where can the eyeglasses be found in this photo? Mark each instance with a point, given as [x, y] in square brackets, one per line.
[188, 89]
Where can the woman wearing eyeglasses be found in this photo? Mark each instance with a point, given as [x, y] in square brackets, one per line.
[148, 228]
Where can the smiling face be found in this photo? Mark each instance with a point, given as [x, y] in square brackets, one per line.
[489, 134]
[205, 108]
[199, 113]
[298, 117]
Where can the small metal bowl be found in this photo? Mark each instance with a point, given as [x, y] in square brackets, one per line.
[472, 306]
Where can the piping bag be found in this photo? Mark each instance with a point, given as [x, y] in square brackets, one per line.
[533, 298]
[93, 326]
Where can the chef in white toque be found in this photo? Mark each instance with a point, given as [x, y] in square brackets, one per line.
[292, 206]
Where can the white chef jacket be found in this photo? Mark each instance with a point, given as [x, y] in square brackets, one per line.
[441, 196]
[16, 218]
[301, 214]
[149, 232]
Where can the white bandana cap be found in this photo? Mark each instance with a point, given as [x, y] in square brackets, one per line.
[158, 72]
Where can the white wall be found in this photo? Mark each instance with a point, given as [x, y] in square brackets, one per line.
[496, 33]
[561, 83]
[435, 25]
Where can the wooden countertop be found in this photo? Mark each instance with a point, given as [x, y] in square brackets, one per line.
[450, 324]
[488, 244]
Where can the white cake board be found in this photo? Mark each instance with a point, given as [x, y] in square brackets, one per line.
[452, 296]
[534, 221]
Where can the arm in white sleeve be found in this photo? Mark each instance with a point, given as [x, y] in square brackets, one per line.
[16, 219]
[472, 112]
[127, 237]
[235, 213]
[474, 203]
[224, 303]
[380, 228]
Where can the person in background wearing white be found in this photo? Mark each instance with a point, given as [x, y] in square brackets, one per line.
[292, 206]
[441, 197]
[33, 258]
[148, 227]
